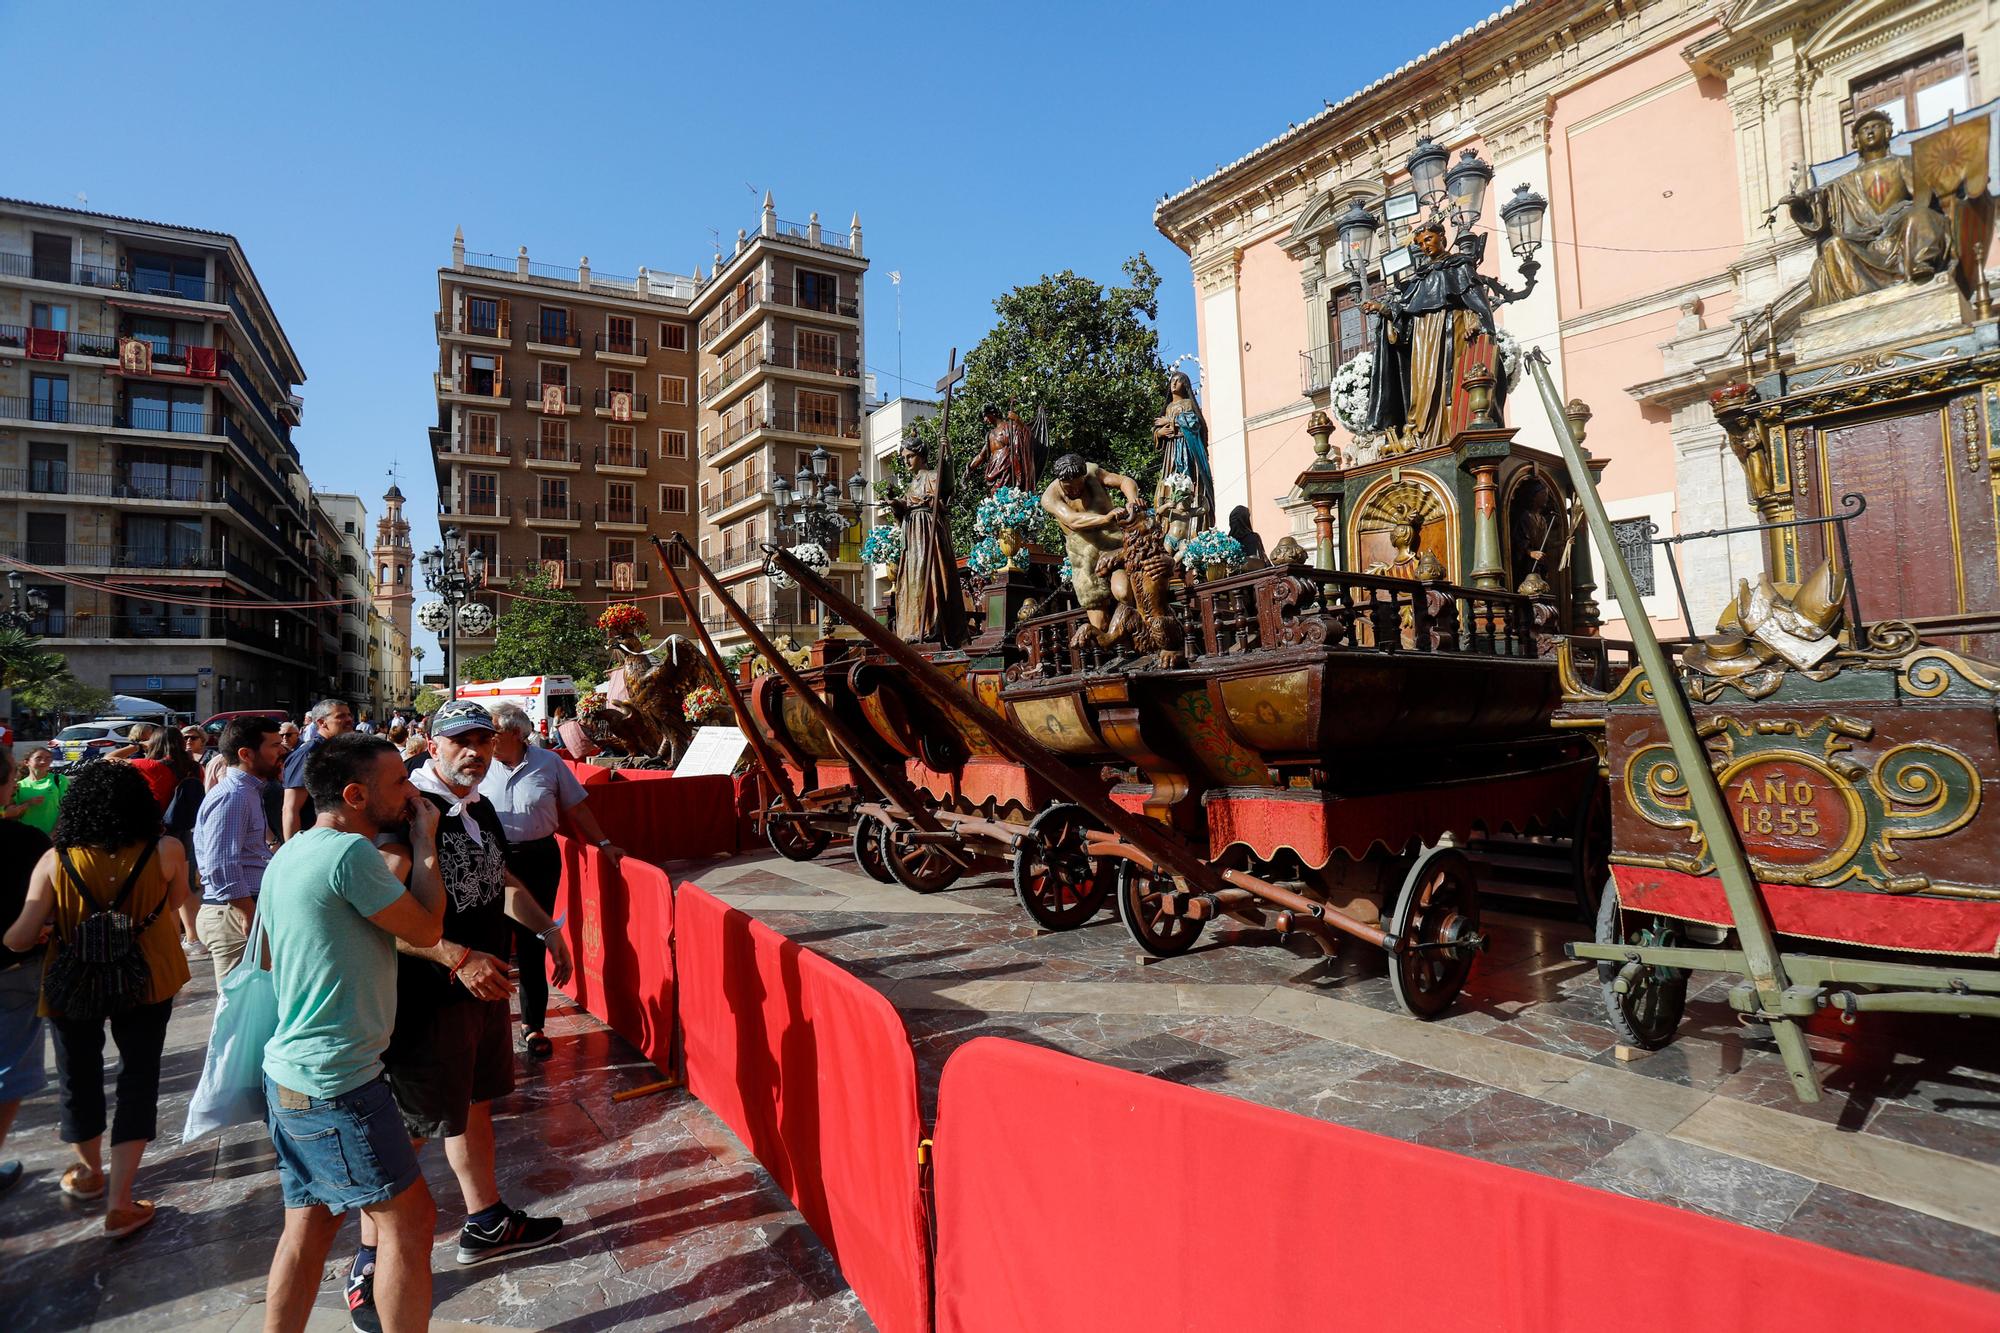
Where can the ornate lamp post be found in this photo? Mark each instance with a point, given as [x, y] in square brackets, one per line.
[453, 575]
[810, 507]
[416, 670]
[23, 607]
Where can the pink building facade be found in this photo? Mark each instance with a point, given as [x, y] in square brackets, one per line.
[1662, 132]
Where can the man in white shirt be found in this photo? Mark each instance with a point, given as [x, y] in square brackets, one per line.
[530, 789]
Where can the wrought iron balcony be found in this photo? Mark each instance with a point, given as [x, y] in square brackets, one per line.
[612, 345]
[603, 401]
[622, 455]
[618, 515]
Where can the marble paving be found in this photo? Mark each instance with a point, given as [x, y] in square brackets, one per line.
[1900, 1161]
[670, 1223]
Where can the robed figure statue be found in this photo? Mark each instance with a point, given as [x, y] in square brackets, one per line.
[1873, 231]
[1009, 455]
[1182, 432]
[1429, 332]
[929, 606]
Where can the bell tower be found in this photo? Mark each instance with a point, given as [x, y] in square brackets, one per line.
[394, 598]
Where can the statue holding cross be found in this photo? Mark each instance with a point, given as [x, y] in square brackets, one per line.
[929, 606]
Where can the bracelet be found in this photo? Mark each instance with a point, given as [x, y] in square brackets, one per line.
[555, 928]
[462, 960]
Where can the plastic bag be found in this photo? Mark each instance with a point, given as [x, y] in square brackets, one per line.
[231, 1091]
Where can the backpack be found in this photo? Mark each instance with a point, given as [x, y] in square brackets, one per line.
[100, 971]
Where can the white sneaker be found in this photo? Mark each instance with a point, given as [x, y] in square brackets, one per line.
[193, 948]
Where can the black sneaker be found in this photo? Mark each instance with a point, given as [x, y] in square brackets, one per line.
[361, 1316]
[510, 1235]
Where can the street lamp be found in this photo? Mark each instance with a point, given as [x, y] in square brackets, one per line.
[416, 670]
[453, 575]
[810, 507]
[23, 608]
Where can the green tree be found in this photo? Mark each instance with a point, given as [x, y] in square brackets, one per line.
[427, 700]
[542, 631]
[63, 695]
[1086, 354]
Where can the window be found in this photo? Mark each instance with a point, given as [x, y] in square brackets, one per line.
[1634, 539]
[673, 499]
[618, 443]
[51, 258]
[621, 504]
[817, 291]
[157, 332]
[487, 544]
[484, 317]
[150, 407]
[618, 334]
[819, 413]
[554, 326]
[48, 539]
[48, 468]
[554, 548]
[168, 275]
[819, 351]
[482, 432]
[677, 556]
[555, 372]
[618, 381]
[482, 375]
[554, 437]
[673, 444]
[555, 497]
[482, 493]
[41, 316]
[1353, 333]
[163, 543]
[1917, 92]
[48, 396]
[673, 389]
[673, 337]
[618, 551]
[157, 474]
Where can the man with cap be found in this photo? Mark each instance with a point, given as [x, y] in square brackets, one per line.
[452, 1052]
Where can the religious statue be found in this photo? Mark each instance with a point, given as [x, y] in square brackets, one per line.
[1872, 228]
[1010, 455]
[1408, 562]
[1183, 435]
[1079, 499]
[929, 606]
[1425, 341]
[644, 714]
[1140, 571]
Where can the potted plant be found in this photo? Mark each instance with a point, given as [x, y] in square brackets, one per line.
[883, 546]
[1211, 553]
[1001, 516]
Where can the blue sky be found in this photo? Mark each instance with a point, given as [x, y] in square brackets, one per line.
[982, 145]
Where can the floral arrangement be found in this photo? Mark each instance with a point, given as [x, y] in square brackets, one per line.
[702, 702]
[1180, 489]
[1507, 356]
[1211, 547]
[622, 620]
[1066, 574]
[810, 554]
[883, 545]
[1351, 384]
[590, 705]
[1010, 507]
[985, 557]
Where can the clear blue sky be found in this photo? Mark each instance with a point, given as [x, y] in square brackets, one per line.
[982, 145]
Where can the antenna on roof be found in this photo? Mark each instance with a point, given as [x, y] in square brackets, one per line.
[83, 198]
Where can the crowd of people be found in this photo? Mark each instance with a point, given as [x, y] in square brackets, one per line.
[385, 878]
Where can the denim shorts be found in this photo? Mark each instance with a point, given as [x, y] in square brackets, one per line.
[343, 1152]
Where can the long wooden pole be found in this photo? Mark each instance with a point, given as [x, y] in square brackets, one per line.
[1732, 866]
[774, 769]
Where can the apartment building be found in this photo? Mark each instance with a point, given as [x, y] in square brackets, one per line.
[565, 420]
[149, 486]
[780, 394]
[354, 590]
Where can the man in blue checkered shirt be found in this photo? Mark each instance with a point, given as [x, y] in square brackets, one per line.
[232, 838]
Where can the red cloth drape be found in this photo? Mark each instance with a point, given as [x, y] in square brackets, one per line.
[47, 344]
[1071, 1195]
[618, 921]
[813, 1071]
[201, 362]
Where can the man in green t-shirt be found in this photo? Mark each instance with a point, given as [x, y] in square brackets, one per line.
[332, 914]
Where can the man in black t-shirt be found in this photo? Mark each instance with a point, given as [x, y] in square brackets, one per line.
[452, 1052]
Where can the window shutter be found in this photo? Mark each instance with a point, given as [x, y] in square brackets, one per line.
[506, 318]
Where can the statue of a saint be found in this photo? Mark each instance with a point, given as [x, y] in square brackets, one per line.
[1079, 499]
[1872, 230]
[1425, 339]
[1408, 561]
[1183, 435]
[929, 606]
[1007, 458]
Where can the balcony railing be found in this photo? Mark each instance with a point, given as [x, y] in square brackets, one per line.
[149, 556]
[606, 512]
[505, 570]
[744, 300]
[735, 493]
[542, 335]
[280, 430]
[501, 506]
[539, 450]
[1315, 369]
[14, 341]
[241, 439]
[256, 339]
[814, 423]
[499, 447]
[603, 400]
[240, 504]
[617, 346]
[553, 511]
[572, 396]
[499, 388]
[731, 369]
[106, 485]
[604, 571]
[172, 420]
[58, 270]
[58, 412]
[621, 455]
[732, 431]
[819, 363]
[472, 328]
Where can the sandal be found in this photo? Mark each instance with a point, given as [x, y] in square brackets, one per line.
[539, 1046]
[80, 1182]
[122, 1222]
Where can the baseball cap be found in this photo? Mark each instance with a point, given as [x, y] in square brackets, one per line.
[459, 716]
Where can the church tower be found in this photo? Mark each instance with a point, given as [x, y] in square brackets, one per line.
[394, 597]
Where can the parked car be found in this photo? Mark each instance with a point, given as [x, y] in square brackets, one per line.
[215, 724]
[79, 744]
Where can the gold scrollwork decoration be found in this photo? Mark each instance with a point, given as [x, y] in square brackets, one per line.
[1919, 799]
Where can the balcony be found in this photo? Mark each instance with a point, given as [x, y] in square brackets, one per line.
[761, 294]
[1315, 370]
[64, 555]
[74, 275]
[490, 509]
[554, 340]
[604, 572]
[622, 351]
[566, 513]
[107, 486]
[604, 401]
[621, 458]
[55, 344]
[560, 454]
[816, 363]
[259, 408]
[477, 389]
[501, 447]
[610, 515]
[256, 341]
[727, 497]
[505, 570]
[814, 423]
[542, 397]
[732, 432]
[461, 325]
[237, 436]
[264, 527]
[110, 416]
[732, 370]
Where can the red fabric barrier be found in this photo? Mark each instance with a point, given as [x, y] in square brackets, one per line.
[1851, 915]
[1142, 1204]
[658, 817]
[619, 920]
[813, 1071]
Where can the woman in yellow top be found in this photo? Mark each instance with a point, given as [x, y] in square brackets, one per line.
[108, 831]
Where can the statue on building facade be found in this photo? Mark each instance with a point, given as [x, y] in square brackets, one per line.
[1182, 432]
[1430, 330]
[1079, 499]
[1010, 455]
[929, 606]
[1873, 229]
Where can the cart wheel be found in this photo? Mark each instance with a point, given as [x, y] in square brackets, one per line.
[920, 867]
[1436, 930]
[868, 849]
[1139, 905]
[1057, 884]
[1590, 851]
[793, 839]
[1648, 1011]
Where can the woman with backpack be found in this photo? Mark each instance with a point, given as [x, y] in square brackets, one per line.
[107, 894]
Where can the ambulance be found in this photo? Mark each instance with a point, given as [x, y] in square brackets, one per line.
[540, 697]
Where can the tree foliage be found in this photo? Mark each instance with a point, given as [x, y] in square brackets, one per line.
[542, 631]
[40, 677]
[1086, 354]
[427, 700]
[62, 696]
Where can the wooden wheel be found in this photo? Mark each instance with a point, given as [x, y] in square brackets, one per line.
[1590, 850]
[1058, 885]
[867, 848]
[1139, 904]
[1648, 1011]
[1436, 930]
[920, 867]
[793, 839]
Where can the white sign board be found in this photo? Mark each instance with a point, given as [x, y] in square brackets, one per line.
[714, 752]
